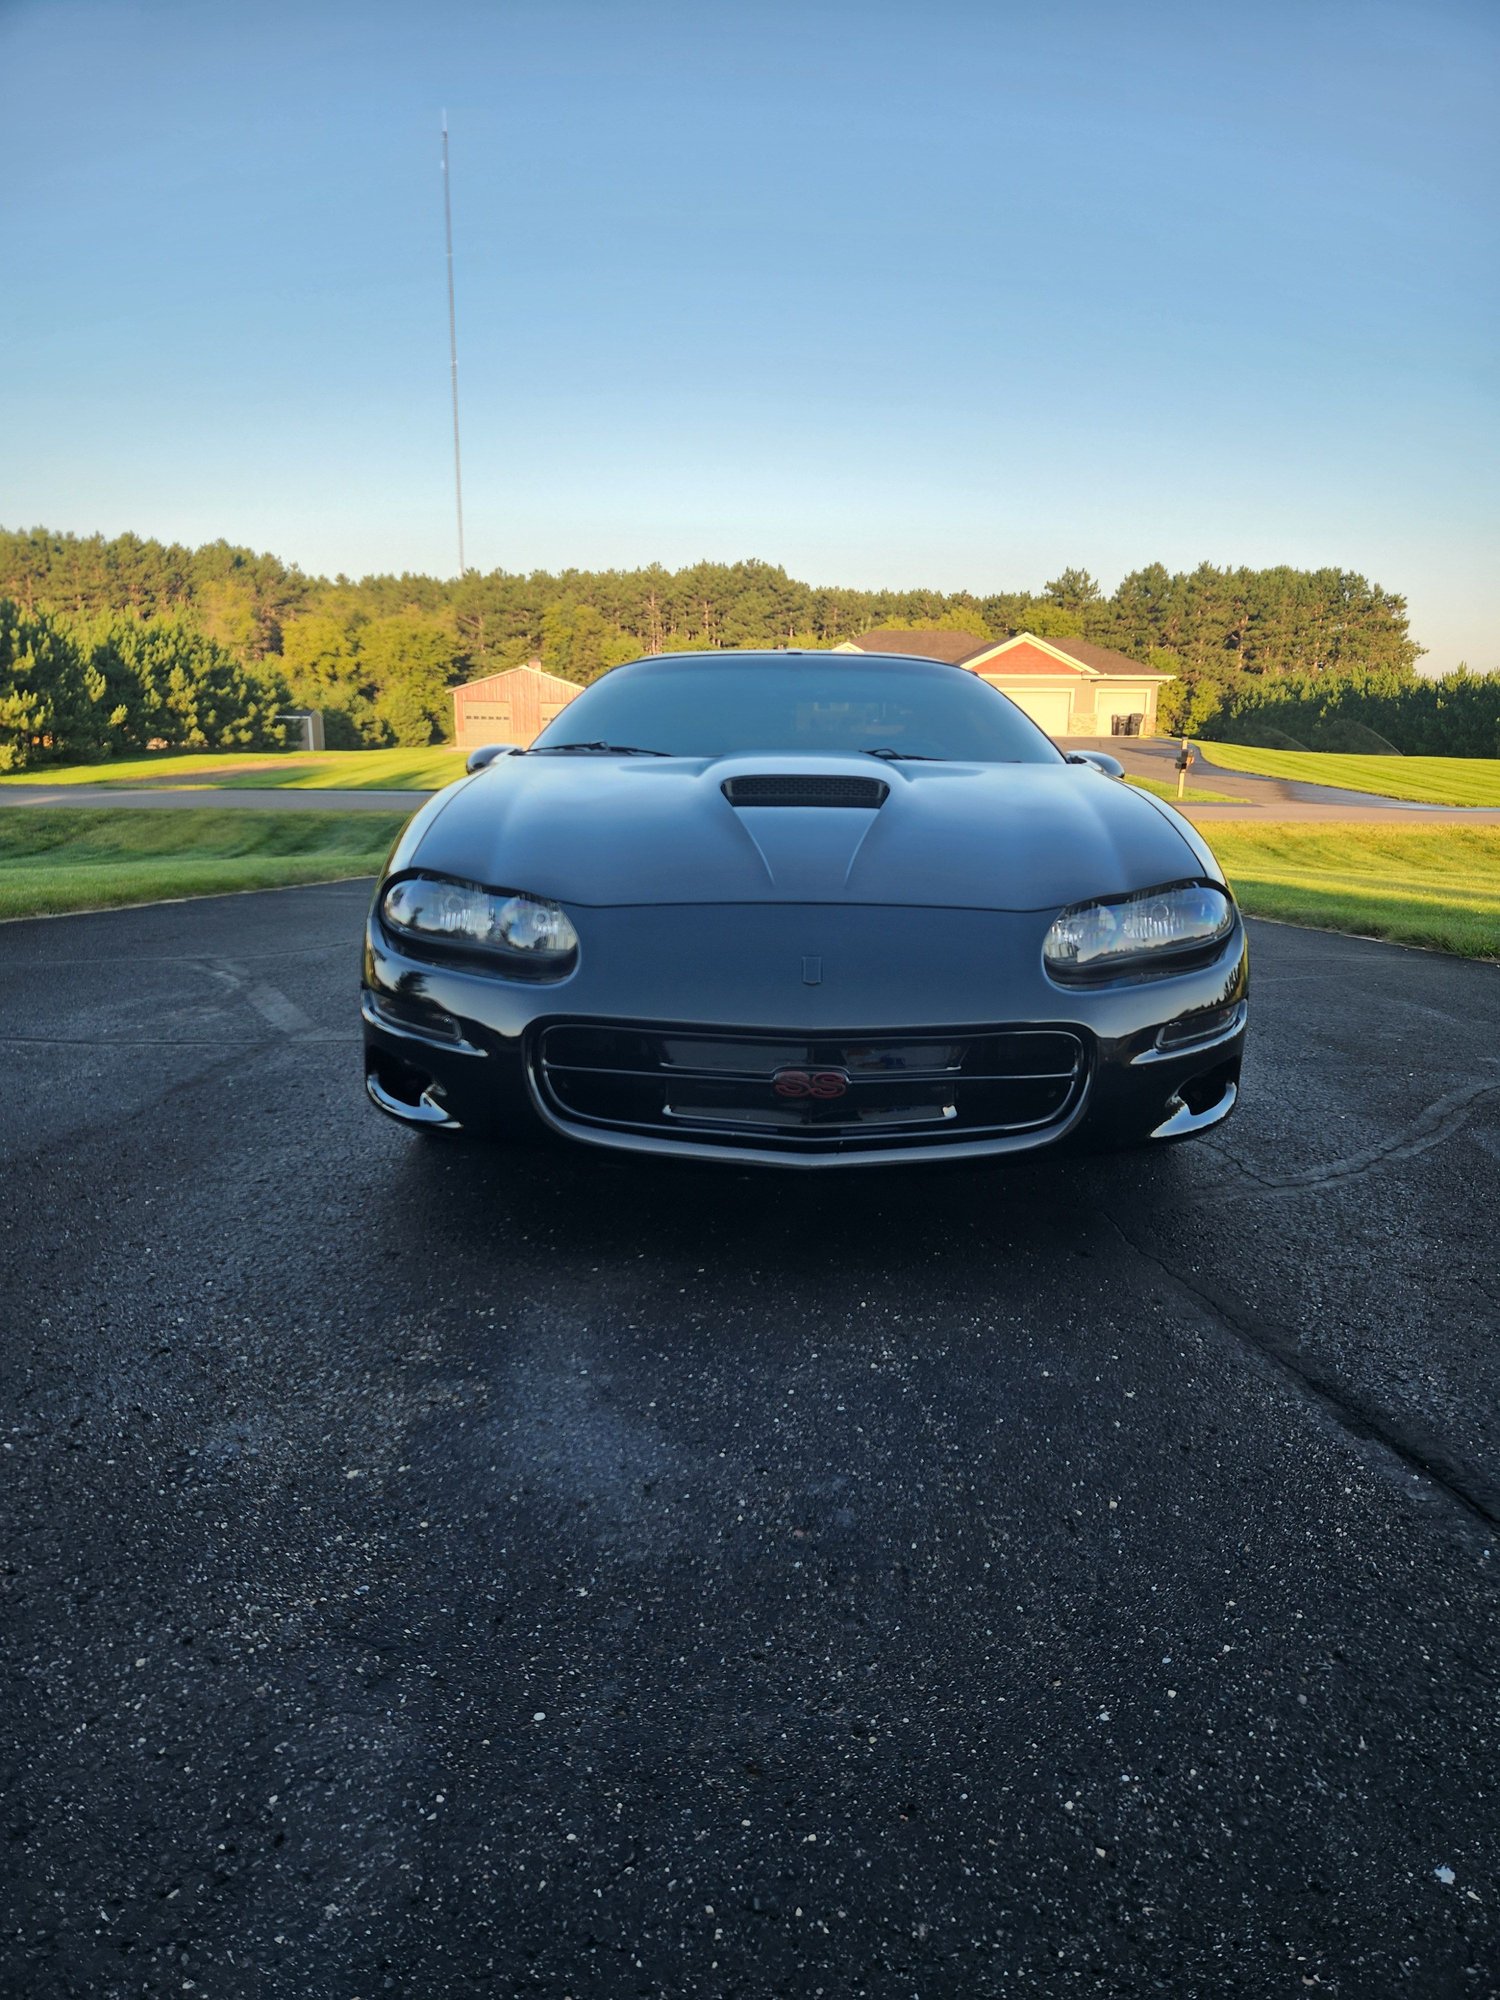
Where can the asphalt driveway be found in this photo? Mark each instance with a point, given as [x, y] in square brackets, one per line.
[434, 1572]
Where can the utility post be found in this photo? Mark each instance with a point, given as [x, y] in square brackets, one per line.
[458, 476]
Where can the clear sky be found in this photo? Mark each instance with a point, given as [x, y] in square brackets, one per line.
[947, 292]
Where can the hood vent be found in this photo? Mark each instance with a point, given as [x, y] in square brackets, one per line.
[788, 788]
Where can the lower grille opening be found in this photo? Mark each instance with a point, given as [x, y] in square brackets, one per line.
[819, 1093]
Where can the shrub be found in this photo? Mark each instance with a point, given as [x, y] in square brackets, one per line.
[72, 690]
[52, 704]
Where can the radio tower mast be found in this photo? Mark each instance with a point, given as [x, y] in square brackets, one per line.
[458, 474]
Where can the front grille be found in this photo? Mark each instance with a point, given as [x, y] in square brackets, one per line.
[814, 1093]
[790, 788]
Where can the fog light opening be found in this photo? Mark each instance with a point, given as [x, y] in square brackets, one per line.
[409, 1085]
[1203, 1093]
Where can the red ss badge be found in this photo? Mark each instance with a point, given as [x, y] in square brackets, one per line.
[810, 1083]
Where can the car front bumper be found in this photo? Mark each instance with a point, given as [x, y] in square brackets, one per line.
[858, 993]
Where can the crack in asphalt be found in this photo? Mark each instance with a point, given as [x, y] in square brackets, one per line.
[1439, 1121]
[1419, 1451]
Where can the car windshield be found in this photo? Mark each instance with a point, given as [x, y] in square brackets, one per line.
[713, 705]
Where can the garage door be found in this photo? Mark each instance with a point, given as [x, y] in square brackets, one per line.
[1051, 707]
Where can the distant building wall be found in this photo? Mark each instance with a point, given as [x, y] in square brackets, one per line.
[1054, 705]
[1070, 687]
[510, 707]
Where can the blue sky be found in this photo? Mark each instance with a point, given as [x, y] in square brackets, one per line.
[914, 291]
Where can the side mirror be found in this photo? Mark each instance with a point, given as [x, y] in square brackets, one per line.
[1101, 761]
[487, 753]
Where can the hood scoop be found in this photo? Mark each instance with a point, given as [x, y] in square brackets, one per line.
[796, 788]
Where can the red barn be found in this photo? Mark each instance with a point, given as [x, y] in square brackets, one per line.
[510, 707]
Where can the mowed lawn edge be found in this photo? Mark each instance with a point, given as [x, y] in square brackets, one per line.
[1434, 886]
[258, 770]
[1431, 781]
[1161, 789]
[53, 860]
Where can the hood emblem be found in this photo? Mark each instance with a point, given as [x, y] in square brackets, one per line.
[810, 1082]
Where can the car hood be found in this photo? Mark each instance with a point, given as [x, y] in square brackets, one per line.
[642, 830]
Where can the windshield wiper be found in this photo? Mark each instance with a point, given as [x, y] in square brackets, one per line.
[599, 750]
[903, 756]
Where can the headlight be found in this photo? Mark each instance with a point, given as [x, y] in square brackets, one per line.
[1097, 937]
[526, 929]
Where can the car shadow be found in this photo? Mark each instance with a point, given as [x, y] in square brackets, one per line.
[469, 1192]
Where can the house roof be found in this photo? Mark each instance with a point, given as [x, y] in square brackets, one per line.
[1103, 659]
[967, 649]
[954, 647]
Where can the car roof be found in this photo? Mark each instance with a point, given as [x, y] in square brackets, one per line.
[780, 655]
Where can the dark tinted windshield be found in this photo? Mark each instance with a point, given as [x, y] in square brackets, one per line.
[714, 705]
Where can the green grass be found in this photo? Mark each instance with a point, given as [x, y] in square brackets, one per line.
[1435, 885]
[310, 770]
[1434, 781]
[1191, 797]
[52, 859]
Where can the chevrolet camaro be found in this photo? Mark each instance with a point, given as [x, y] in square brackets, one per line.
[802, 910]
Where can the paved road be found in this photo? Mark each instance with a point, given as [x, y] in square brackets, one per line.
[434, 1572]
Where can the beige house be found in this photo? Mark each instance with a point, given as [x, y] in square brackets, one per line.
[1070, 686]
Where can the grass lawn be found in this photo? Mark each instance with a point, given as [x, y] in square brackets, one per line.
[1426, 885]
[335, 770]
[1434, 781]
[310, 770]
[53, 860]
[1191, 797]
[1433, 885]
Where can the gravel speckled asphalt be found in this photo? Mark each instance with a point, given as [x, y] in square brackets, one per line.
[439, 1572]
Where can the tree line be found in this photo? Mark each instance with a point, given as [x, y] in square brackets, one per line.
[1453, 715]
[249, 635]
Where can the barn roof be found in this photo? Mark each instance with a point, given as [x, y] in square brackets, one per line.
[492, 683]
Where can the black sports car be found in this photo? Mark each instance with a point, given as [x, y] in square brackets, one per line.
[806, 909]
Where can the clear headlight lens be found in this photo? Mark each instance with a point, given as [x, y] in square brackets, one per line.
[1094, 937]
[526, 927]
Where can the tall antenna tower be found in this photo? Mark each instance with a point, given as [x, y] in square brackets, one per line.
[458, 471]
